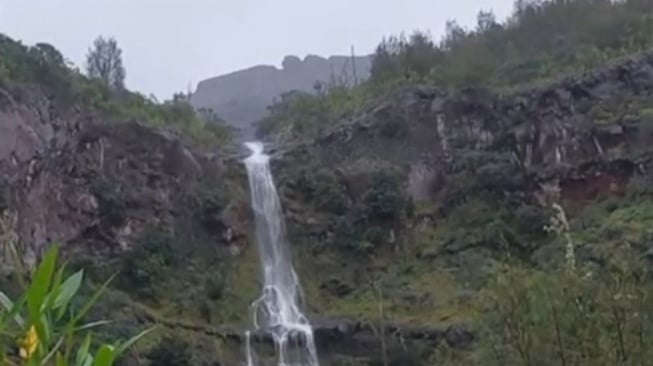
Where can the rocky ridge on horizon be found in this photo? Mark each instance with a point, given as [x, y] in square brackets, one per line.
[242, 97]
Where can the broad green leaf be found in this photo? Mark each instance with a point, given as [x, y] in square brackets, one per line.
[55, 287]
[41, 280]
[68, 290]
[90, 303]
[41, 330]
[105, 356]
[125, 345]
[58, 277]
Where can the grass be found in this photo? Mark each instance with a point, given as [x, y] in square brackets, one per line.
[431, 298]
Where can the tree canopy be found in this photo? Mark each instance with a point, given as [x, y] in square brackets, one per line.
[104, 62]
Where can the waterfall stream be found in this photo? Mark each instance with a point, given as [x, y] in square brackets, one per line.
[277, 311]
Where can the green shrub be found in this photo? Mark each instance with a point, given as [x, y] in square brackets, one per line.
[111, 204]
[375, 235]
[528, 222]
[214, 285]
[170, 351]
[349, 237]
[4, 74]
[145, 268]
[212, 201]
[384, 199]
[325, 191]
[542, 318]
[576, 313]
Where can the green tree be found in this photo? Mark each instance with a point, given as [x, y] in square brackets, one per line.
[104, 62]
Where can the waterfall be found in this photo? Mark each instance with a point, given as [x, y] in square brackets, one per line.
[277, 311]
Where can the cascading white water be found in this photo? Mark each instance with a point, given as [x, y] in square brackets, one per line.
[277, 311]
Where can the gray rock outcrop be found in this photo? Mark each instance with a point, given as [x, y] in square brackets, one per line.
[242, 97]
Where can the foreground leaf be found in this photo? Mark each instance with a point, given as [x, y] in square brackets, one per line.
[105, 356]
[68, 290]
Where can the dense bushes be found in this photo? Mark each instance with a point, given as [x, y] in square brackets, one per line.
[588, 305]
[384, 198]
[589, 316]
[299, 115]
[370, 221]
[41, 63]
[324, 191]
[541, 40]
[147, 266]
[485, 174]
[111, 205]
[494, 225]
[170, 351]
[214, 286]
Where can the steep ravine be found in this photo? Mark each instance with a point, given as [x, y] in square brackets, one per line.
[389, 215]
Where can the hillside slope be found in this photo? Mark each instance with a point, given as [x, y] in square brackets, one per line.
[417, 202]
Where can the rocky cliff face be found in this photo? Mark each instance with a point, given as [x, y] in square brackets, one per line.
[96, 187]
[242, 97]
[580, 128]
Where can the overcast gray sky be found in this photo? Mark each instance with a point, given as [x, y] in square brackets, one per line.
[168, 44]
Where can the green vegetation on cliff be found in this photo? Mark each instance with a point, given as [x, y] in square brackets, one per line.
[541, 40]
[43, 65]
